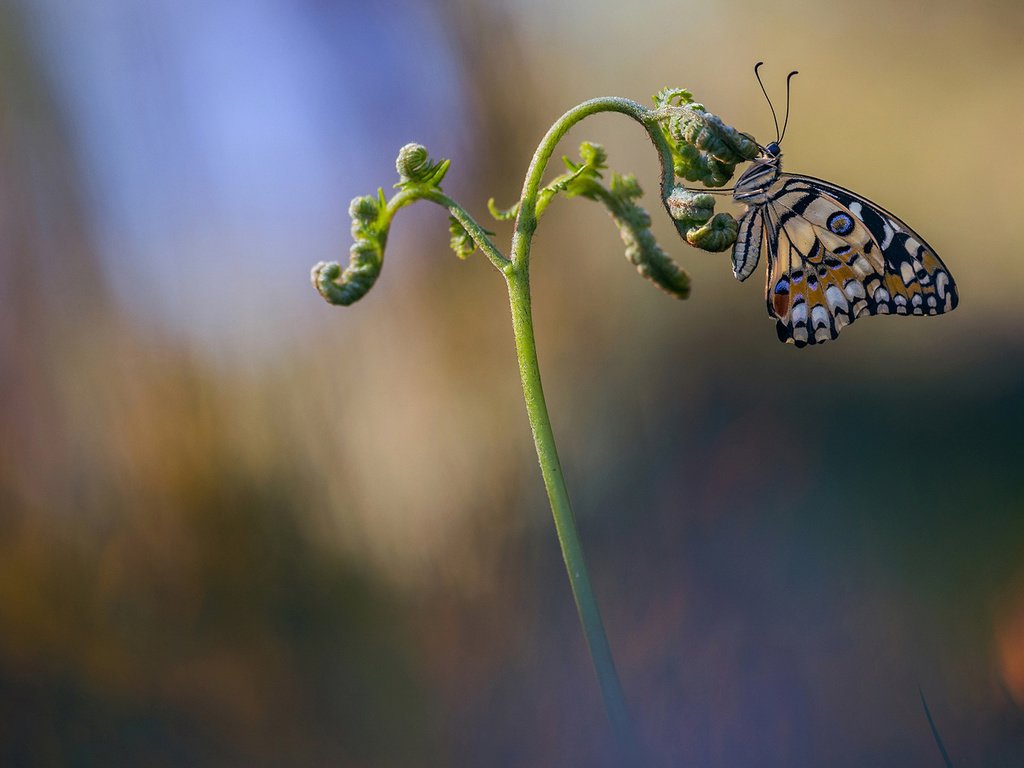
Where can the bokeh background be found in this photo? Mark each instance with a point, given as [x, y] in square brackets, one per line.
[239, 527]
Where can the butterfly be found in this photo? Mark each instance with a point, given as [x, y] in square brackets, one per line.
[833, 256]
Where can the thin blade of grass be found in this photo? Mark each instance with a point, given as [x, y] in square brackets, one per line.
[935, 731]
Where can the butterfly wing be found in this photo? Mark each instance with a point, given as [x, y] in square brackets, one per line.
[835, 256]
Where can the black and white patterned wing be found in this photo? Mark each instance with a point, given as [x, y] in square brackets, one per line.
[835, 256]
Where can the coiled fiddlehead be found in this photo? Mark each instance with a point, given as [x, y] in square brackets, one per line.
[584, 179]
[418, 178]
[704, 149]
[370, 222]
[694, 217]
[414, 168]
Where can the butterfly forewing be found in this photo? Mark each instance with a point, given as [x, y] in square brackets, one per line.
[834, 256]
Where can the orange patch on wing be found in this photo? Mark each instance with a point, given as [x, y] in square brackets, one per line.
[894, 284]
[780, 303]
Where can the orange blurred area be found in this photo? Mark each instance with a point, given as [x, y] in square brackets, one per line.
[1010, 641]
[241, 527]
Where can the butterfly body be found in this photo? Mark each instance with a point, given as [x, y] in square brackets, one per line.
[833, 256]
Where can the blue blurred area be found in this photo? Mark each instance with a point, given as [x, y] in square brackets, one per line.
[220, 142]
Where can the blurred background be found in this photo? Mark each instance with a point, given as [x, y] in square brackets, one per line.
[241, 527]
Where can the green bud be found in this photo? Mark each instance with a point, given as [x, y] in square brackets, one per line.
[710, 135]
[717, 235]
[461, 241]
[703, 147]
[690, 208]
[675, 97]
[625, 186]
[363, 209]
[347, 286]
[327, 271]
[593, 155]
[363, 249]
[414, 167]
[412, 160]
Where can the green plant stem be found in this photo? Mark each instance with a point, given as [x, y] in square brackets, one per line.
[517, 273]
[526, 220]
[434, 195]
[561, 509]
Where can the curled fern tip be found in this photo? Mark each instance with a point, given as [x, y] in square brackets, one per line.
[414, 167]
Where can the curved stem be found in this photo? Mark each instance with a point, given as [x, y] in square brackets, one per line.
[526, 220]
[478, 233]
[518, 277]
[435, 195]
[561, 509]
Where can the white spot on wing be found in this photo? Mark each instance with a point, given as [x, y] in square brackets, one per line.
[907, 273]
[862, 267]
[854, 289]
[819, 316]
[835, 298]
[888, 236]
[856, 210]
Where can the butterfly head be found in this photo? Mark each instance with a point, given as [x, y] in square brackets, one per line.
[773, 150]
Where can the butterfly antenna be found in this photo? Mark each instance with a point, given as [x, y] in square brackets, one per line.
[786, 121]
[770, 105]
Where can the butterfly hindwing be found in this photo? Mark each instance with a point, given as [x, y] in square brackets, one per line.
[835, 256]
[747, 250]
